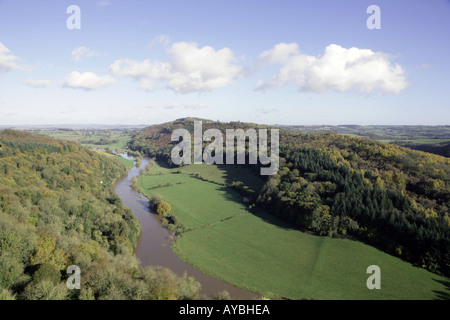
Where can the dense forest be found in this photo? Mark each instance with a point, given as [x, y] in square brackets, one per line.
[388, 196]
[58, 208]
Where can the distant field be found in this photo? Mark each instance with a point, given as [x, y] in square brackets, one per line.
[92, 139]
[432, 139]
[254, 250]
[385, 133]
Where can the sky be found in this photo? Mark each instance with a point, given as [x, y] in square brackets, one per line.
[323, 62]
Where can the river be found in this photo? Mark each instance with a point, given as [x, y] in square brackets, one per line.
[153, 246]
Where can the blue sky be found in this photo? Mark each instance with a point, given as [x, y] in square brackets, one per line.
[275, 62]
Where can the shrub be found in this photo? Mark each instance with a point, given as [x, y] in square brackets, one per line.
[163, 208]
[47, 272]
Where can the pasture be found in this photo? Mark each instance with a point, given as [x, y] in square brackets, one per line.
[254, 250]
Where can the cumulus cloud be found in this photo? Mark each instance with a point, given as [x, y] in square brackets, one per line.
[8, 62]
[191, 69]
[37, 83]
[80, 53]
[338, 69]
[87, 81]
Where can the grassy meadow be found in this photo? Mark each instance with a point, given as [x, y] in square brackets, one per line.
[252, 249]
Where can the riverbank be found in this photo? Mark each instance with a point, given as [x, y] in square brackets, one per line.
[153, 246]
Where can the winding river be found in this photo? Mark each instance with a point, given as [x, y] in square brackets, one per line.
[154, 247]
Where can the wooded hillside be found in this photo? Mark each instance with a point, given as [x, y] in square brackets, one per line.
[58, 208]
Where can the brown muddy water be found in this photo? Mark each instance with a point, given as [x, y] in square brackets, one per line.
[153, 246]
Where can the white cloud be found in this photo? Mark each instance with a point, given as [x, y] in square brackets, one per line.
[163, 39]
[338, 69]
[82, 52]
[8, 62]
[37, 83]
[87, 81]
[146, 85]
[138, 70]
[191, 69]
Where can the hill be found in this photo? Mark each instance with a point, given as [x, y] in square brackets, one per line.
[390, 197]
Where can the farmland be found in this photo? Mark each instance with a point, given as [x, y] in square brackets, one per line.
[99, 139]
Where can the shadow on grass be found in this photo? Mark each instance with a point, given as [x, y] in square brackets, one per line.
[443, 295]
[244, 173]
[249, 176]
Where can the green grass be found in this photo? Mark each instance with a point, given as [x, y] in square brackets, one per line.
[255, 251]
[194, 202]
[261, 256]
[226, 174]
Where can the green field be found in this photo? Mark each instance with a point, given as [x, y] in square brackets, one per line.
[194, 202]
[254, 250]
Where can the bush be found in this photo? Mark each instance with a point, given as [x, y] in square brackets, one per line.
[224, 295]
[156, 198]
[188, 288]
[163, 208]
[45, 290]
[47, 272]
[6, 295]
[11, 269]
